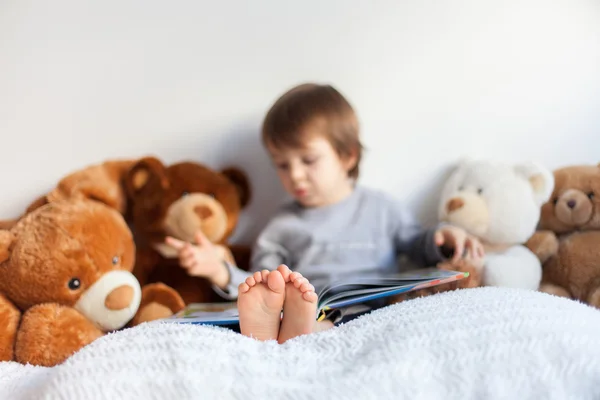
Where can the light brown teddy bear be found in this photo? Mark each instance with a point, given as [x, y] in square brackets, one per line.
[65, 280]
[568, 239]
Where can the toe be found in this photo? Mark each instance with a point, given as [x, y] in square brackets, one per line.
[258, 276]
[299, 282]
[276, 282]
[265, 275]
[309, 296]
[243, 287]
[285, 272]
[307, 287]
[250, 281]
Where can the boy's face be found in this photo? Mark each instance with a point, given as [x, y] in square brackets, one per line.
[313, 174]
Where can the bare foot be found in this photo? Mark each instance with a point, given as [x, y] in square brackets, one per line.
[300, 306]
[260, 301]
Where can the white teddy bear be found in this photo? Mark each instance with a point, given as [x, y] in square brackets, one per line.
[500, 204]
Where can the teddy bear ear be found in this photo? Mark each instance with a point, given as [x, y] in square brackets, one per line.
[540, 178]
[6, 241]
[147, 175]
[464, 161]
[242, 183]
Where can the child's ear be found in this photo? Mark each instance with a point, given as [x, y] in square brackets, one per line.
[540, 178]
[146, 178]
[241, 182]
[350, 160]
[6, 241]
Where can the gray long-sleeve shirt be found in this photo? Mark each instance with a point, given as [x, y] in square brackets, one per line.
[366, 232]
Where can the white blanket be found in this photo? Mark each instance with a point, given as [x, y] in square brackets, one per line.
[473, 344]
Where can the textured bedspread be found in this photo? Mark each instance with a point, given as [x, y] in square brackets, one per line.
[474, 344]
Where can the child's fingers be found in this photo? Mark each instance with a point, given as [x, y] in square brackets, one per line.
[438, 238]
[175, 243]
[187, 261]
[201, 238]
[475, 246]
[459, 248]
[480, 250]
[187, 251]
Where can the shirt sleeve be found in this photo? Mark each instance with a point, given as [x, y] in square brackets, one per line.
[267, 253]
[414, 241]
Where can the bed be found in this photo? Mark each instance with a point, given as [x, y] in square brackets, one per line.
[484, 343]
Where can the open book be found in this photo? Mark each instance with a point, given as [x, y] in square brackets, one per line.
[339, 294]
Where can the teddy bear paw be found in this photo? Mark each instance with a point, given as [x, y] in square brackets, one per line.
[158, 301]
[50, 333]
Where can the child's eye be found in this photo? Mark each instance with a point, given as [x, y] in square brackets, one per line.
[309, 160]
[282, 166]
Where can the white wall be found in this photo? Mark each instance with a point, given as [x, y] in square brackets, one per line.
[432, 81]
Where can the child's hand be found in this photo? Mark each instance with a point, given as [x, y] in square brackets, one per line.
[204, 259]
[459, 241]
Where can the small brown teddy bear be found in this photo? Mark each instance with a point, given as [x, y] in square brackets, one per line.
[179, 200]
[568, 239]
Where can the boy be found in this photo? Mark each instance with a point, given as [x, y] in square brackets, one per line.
[333, 227]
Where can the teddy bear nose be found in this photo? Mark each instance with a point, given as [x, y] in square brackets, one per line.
[571, 203]
[119, 298]
[203, 212]
[455, 204]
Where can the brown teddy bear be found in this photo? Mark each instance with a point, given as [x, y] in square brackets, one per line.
[568, 239]
[65, 280]
[179, 200]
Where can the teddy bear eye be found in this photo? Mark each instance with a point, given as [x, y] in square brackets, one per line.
[591, 195]
[184, 194]
[479, 191]
[74, 284]
[461, 188]
[555, 200]
[211, 195]
[115, 260]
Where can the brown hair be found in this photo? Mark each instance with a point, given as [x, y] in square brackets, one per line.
[311, 104]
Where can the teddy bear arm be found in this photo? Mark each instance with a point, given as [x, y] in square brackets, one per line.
[50, 333]
[158, 301]
[551, 288]
[544, 244]
[9, 323]
[517, 267]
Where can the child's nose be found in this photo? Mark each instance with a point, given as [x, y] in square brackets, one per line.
[297, 173]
